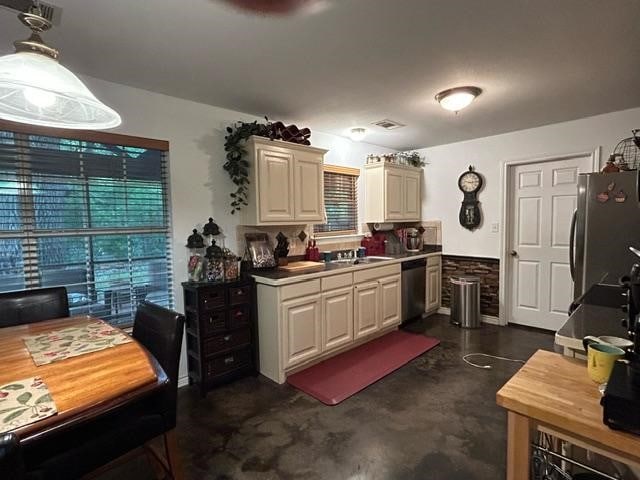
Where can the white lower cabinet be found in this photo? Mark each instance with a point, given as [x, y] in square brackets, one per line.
[390, 301]
[434, 284]
[366, 310]
[303, 322]
[337, 313]
[302, 326]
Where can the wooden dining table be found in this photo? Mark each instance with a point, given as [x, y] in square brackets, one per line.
[83, 387]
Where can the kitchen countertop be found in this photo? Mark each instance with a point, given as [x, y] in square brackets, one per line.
[596, 320]
[277, 278]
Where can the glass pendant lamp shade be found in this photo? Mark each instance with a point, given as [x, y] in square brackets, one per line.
[36, 89]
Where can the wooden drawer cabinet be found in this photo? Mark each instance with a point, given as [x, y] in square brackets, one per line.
[228, 363]
[227, 341]
[238, 295]
[221, 331]
[239, 316]
[213, 322]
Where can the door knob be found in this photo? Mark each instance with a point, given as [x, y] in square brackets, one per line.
[513, 253]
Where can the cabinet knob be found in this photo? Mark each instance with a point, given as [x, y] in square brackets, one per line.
[226, 338]
[228, 360]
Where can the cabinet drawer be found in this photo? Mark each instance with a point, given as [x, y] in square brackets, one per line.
[239, 316]
[239, 295]
[301, 289]
[369, 274]
[213, 322]
[211, 299]
[337, 281]
[433, 260]
[227, 362]
[227, 341]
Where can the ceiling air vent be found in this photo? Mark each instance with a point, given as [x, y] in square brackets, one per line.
[388, 124]
[50, 12]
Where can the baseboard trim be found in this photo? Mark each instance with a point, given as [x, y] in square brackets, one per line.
[485, 318]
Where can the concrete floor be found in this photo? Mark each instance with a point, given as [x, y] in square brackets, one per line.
[435, 418]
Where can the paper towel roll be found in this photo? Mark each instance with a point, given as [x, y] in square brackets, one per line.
[383, 227]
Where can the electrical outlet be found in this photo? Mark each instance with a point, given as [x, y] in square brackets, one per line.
[495, 227]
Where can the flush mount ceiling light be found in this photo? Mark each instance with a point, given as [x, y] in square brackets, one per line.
[455, 99]
[357, 134]
[36, 89]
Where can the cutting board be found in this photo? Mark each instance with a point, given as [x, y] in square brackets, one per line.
[302, 266]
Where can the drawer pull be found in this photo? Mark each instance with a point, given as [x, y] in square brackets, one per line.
[228, 360]
[239, 292]
[239, 313]
[226, 338]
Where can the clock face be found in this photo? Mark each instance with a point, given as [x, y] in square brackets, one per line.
[469, 182]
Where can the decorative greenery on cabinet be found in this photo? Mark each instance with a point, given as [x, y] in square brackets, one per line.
[237, 165]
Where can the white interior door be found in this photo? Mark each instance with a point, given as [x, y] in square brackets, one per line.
[543, 198]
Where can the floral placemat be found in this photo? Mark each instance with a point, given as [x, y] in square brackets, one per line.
[73, 341]
[23, 402]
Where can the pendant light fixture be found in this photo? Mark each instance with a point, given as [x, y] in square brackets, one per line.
[455, 99]
[36, 89]
[357, 134]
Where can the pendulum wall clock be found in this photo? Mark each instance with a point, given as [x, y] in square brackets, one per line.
[470, 183]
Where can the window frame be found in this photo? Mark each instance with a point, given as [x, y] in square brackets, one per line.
[352, 172]
[28, 235]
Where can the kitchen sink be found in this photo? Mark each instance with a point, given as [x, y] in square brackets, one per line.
[359, 261]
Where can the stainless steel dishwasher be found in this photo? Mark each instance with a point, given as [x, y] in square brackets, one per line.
[414, 277]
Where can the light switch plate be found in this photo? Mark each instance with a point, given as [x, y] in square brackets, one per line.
[495, 227]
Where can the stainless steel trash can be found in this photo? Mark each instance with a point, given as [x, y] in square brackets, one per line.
[465, 301]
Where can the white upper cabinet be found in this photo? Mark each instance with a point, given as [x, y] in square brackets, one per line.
[276, 185]
[308, 187]
[393, 193]
[287, 183]
[412, 198]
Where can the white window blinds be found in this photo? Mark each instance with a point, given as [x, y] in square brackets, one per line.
[90, 216]
[340, 201]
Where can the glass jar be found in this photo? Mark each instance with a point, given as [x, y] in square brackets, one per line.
[215, 270]
[196, 265]
[231, 268]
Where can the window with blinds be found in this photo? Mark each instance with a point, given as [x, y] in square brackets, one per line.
[92, 217]
[340, 201]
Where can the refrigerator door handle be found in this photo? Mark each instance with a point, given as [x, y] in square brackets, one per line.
[572, 239]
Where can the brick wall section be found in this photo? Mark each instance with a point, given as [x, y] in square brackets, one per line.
[488, 269]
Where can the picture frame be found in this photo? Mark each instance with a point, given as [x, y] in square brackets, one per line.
[260, 250]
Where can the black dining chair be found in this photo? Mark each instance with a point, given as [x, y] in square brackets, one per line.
[11, 465]
[98, 444]
[30, 306]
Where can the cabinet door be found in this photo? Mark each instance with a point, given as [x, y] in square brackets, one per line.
[390, 301]
[337, 314]
[309, 187]
[433, 287]
[302, 329]
[366, 310]
[393, 195]
[275, 185]
[412, 197]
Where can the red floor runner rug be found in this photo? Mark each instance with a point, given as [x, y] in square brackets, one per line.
[344, 375]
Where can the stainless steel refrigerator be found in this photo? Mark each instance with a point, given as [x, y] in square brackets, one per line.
[605, 224]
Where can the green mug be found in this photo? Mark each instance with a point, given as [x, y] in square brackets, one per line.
[601, 358]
